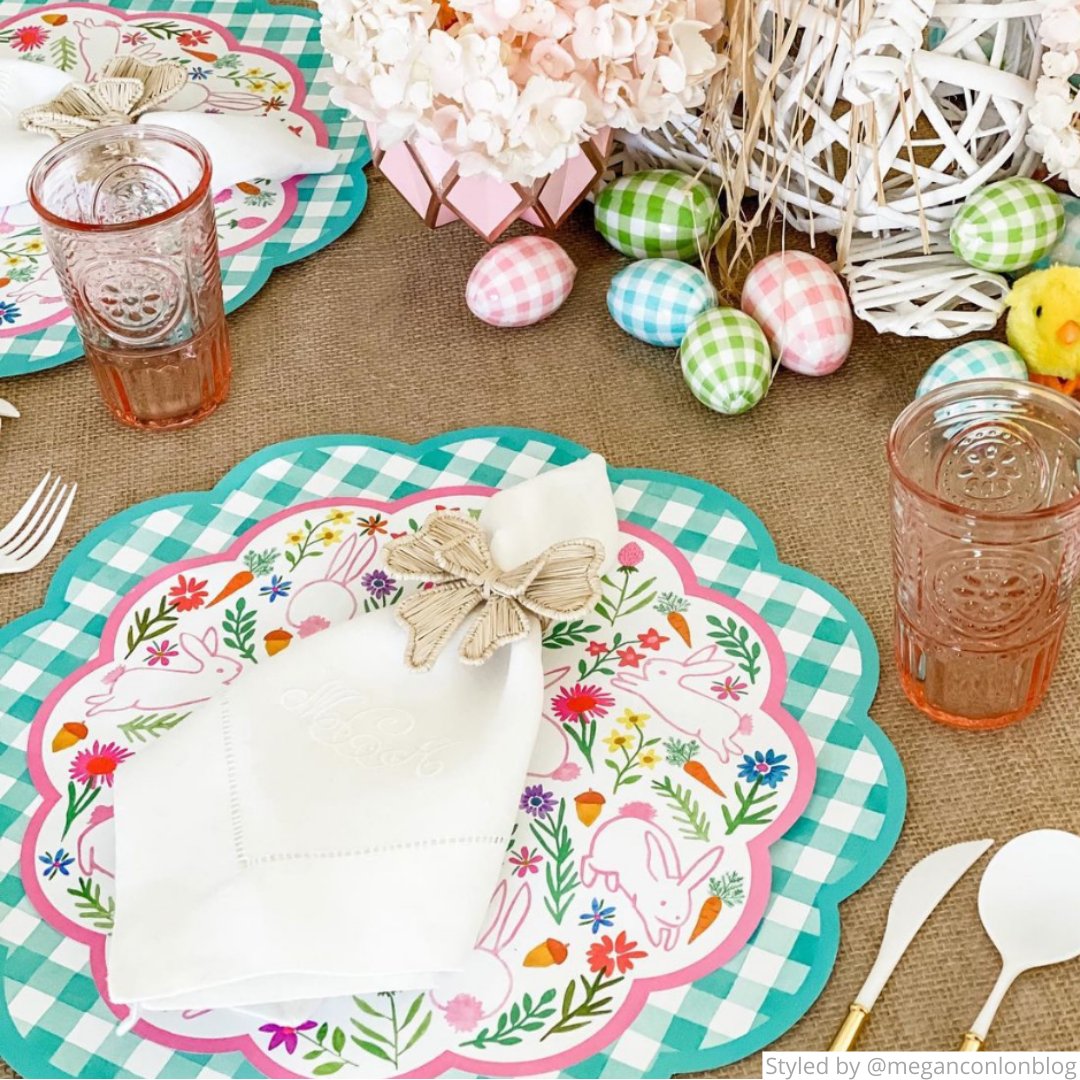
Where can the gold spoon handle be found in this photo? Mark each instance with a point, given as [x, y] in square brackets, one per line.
[850, 1028]
[971, 1042]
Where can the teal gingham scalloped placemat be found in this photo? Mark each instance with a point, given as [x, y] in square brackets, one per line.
[52, 1020]
[326, 205]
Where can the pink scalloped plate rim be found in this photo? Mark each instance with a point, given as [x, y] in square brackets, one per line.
[624, 1016]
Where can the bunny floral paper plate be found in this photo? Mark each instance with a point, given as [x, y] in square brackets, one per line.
[648, 869]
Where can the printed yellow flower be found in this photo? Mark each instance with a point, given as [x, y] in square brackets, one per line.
[254, 71]
[14, 260]
[648, 758]
[33, 247]
[281, 86]
[257, 86]
[329, 536]
[341, 517]
[617, 740]
[631, 719]
[295, 537]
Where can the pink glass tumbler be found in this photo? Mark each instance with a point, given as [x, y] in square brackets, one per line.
[129, 225]
[986, 534]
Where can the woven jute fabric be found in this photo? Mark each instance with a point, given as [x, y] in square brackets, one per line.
[372, 335]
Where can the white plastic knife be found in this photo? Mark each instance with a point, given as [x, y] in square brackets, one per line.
[920, 891]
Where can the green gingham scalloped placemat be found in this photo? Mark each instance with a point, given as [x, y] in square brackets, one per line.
[326, 205]
[53, 1021]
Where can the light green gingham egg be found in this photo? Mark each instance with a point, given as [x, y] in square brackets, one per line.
[726, 360]
[656, 300]
[1008, 225]
[657, 214]
[1066, 252]
[973, 360]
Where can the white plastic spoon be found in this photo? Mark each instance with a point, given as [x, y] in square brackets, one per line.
[7, 410]
[1029, 902]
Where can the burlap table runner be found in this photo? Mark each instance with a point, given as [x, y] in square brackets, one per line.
[372, 335]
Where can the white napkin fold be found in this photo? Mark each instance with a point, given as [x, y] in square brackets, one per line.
[240, 147]
[336, 823]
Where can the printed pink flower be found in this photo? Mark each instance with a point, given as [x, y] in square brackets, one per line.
[281, 1035]
[596, 648]
[96, 764]
[250, 222]
[581, 703]
[643, 811]
[134, 37]
[463, 1012]
[187, 594]
[161, 652]
[630, 657]
[630, 555]
[27, 38]
[651, 639]
[730, 689]
[526, 862]
[313, 624]
[566, 771]
[223, 196]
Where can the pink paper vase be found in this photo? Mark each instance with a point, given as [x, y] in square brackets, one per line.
[428, 178]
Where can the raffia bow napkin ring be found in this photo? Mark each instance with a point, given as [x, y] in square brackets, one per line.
[128, 87]
[452, 553]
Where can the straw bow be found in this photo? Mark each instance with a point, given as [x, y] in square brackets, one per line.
[127, 88]
[452, 552]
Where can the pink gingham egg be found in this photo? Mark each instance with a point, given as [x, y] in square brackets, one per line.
[801, 305]
[520, 282]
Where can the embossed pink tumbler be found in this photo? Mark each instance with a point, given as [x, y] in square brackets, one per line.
[129, 226]
[986, 538]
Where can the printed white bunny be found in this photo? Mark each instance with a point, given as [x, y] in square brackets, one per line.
[327, 601]
[487, 982]
[635, 856]
[677, 692]
[151, 689]
[551, 754]
[95, 847]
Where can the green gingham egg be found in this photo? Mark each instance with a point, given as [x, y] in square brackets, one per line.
[1066, 252]
[973, 360]
[657, 214]
[726, 360]
[1008, 225]
[656, 300]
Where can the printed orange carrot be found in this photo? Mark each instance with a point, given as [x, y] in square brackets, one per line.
[209, 57]
[682, 754]
[234, 584]
[727, 889]
[673, 606]
[246, 188]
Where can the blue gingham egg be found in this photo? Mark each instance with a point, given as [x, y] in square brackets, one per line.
[982, 359]
[656, 300]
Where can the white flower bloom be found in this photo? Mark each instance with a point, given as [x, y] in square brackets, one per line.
[1061, 26]
[1059, 65]
[1052, 112]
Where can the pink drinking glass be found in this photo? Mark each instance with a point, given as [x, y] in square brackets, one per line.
[128, 221]
[986, 537]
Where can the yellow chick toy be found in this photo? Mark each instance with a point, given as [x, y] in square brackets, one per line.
[1044, 325]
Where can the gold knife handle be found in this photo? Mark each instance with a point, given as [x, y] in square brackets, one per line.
[971, 1042]
[849, 1029]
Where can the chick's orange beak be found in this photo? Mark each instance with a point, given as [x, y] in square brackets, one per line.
[1068, 333]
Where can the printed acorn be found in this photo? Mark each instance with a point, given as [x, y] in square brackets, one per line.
[71, 733]
[276, 640]
[588, 805]
[54, 18]
[546, 954]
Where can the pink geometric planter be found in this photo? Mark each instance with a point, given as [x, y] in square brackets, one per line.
[427, 176]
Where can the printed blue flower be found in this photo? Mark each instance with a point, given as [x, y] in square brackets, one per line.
[56, 864]
[277, 587]
[598, 917]
[767, 767]
[9, 312]
[198, 74]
